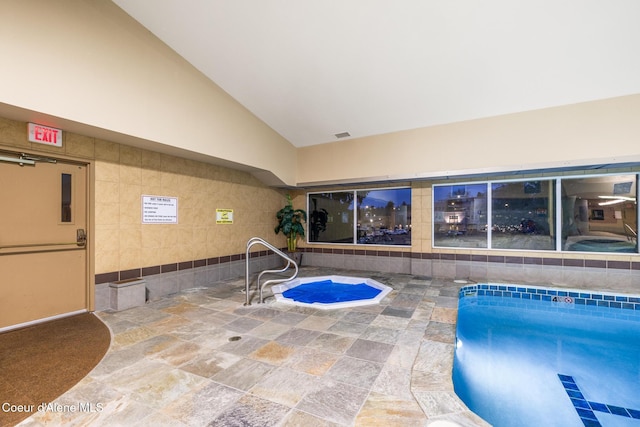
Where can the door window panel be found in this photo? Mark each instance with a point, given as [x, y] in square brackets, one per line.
[65, 214]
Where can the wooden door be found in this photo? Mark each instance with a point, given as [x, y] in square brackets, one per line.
[43, 251]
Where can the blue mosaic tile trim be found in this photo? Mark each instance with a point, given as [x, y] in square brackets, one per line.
[579, 298]
[586, 408]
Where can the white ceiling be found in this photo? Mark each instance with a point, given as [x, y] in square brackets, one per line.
[314, 68]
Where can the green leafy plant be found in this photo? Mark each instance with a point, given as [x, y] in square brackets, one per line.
[290, 223]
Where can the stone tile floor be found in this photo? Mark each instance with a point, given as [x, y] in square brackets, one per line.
[202, 358]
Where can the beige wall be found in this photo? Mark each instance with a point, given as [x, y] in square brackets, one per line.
[582, 134]
[421, 224]
[123, 174]
[87, 67]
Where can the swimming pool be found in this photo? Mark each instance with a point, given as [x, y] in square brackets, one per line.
[530, 356]
[330, 292]
[603, 245]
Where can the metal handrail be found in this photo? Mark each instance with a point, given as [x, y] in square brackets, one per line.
[290, 262]
[630, 232]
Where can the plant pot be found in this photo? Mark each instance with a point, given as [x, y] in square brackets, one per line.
[296, 256]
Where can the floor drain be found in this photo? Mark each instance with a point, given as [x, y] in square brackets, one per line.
[234, 338]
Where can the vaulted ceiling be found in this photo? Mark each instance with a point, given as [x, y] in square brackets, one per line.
[312, 69]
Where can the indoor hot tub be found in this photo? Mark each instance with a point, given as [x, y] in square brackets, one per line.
[330, 292]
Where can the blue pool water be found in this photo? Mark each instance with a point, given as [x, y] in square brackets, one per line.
[535, 357]
[603, 245]
[327, 291]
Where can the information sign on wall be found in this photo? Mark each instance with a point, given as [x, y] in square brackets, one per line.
[224, 216]
[45, 135]
[159, 210]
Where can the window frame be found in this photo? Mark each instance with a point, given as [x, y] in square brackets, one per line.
[354, 227]
[354, 234]
[553, 203]
[433, 211]
[557, 203]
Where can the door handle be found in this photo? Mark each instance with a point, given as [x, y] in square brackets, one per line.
[81, 240]
[81, 237]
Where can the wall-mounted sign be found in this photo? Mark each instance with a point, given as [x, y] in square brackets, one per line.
[45, 135]
[159, 210]
[224, 216]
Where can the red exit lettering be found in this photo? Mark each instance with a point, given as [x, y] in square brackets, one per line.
[45, 135]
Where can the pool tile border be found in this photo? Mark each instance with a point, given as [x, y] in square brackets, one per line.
[567, 296]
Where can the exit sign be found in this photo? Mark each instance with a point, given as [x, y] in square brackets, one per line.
[45, 135]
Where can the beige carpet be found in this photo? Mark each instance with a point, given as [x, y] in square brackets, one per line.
[41, 362]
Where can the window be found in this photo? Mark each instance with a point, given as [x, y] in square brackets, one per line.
[384, 217]
[599, 214]
[460, 215]
[65, 197]
[376, 216]
[585, 214]
[331, 217]
[522, 215]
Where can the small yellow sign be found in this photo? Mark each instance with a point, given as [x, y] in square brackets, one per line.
[224, 216]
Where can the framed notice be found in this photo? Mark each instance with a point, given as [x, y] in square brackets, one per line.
[159, 210]
[224, 216]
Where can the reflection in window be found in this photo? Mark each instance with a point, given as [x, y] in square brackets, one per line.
[460, 215]
[65, 215]
[523, 215]
[331, 217]
[384, 216]
[599, 214]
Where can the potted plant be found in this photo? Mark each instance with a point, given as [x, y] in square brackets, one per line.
[290, 223]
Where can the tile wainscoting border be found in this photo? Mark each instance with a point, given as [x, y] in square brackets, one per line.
[583, 273]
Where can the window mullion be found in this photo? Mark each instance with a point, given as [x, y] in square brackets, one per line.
[559, 213]
[489, 214]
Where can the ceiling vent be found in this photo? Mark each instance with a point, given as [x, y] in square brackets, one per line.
[342, 135]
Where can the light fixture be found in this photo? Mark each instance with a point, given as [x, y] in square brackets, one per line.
[611, 202]
[19, 160]
[615, 200]
[630, 199]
